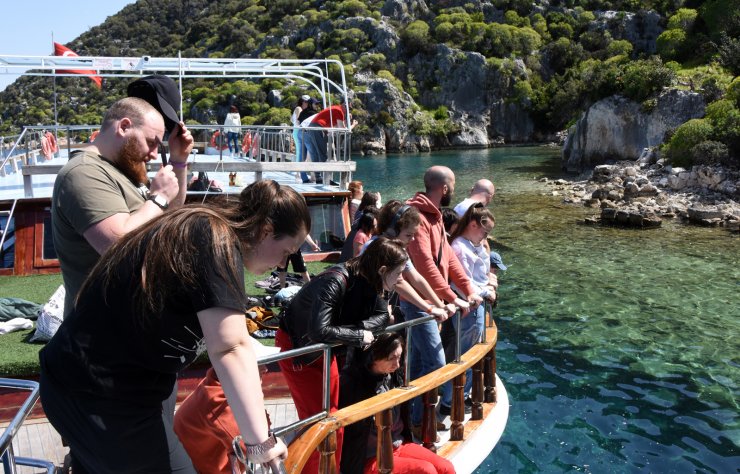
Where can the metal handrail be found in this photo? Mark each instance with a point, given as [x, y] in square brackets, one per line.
[320, 432]
[4, 231]
[326, 348]
[12, 149]
[9, 461]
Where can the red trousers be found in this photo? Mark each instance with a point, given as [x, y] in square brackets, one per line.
[305, 384]
[411, 458]
[206, 426]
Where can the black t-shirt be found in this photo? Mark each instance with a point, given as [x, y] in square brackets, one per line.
[102, 350]
[305, 113]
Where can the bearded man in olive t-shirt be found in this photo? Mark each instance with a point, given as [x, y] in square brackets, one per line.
[101, 193]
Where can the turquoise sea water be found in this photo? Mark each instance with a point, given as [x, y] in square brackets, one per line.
[620, 349]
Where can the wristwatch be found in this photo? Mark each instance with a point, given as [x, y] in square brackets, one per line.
[159, 201]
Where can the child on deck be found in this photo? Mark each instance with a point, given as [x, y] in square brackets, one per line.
[467, 243]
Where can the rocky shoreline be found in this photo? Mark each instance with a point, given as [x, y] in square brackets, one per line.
[640, 194]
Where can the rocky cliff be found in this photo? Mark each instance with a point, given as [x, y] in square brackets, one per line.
[616, 128]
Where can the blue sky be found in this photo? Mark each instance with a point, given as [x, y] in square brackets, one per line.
[26, 26]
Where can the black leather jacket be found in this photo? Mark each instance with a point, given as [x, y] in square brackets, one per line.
[335, 306]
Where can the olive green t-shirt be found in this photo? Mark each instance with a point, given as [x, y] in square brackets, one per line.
[87, 190]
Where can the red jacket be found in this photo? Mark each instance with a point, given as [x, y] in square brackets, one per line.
[329, 117]
[424, 250]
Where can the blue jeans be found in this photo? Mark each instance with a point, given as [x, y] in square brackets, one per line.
[471, 327]
[426, 352]
[300, 150]
[315, 140]
[232, 137]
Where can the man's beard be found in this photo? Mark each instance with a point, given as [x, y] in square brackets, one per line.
[130, 162]
[446, 200]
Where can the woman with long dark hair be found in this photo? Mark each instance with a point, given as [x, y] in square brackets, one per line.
[156, 299]
[346, 304]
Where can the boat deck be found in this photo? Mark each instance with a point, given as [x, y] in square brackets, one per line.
[38, 439]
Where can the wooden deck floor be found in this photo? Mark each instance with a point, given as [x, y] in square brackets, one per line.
[38, 439]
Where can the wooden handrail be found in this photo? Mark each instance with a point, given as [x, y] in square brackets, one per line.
[302, 448]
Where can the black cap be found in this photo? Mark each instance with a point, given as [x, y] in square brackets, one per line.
[162, 93]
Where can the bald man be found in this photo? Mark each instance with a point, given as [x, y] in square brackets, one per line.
[436, 262]
[482, 191]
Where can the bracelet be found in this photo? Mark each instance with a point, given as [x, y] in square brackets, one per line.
[179, 164]
[429, 310]
[256, 451]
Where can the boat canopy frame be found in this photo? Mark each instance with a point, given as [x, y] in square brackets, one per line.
[312, 72]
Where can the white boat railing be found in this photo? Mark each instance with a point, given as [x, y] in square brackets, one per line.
[9, 460]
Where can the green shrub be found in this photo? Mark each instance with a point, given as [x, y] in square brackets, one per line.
[441, 113]
[385, 118]
[352, 8]
[724, 115]
[729, 53]
[274, 116]
[306, 48]
[710, 152]
[383, 74]
[560, 30]
[686, 137]
[733, 91]
[644, 78]
[512, 18]
[683, 19]
[670, 43]
[619, 47]
[416, 36]
[522, 92]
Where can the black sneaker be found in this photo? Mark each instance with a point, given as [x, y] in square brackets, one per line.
[333, 183]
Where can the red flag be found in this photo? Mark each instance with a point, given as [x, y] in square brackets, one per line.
[61, 50]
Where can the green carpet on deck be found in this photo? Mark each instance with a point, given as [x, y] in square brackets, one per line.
[19, 358]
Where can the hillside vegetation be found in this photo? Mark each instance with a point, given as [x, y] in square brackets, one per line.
[545, 61]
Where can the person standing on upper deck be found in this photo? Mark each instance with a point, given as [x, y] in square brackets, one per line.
[436, 262]
[304, 102]
[232, 125]
[315, 137]
[103, 192]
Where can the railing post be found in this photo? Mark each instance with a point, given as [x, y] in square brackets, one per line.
[490, 376]
[328, 449]
[477, 395]
[407, 361]
[429, 420]
[458, 318]
[458, 407]
[384, 449]
[327, 380]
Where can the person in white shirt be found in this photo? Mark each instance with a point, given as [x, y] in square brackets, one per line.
[467, 244]
[482, 191]
[231, 127]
